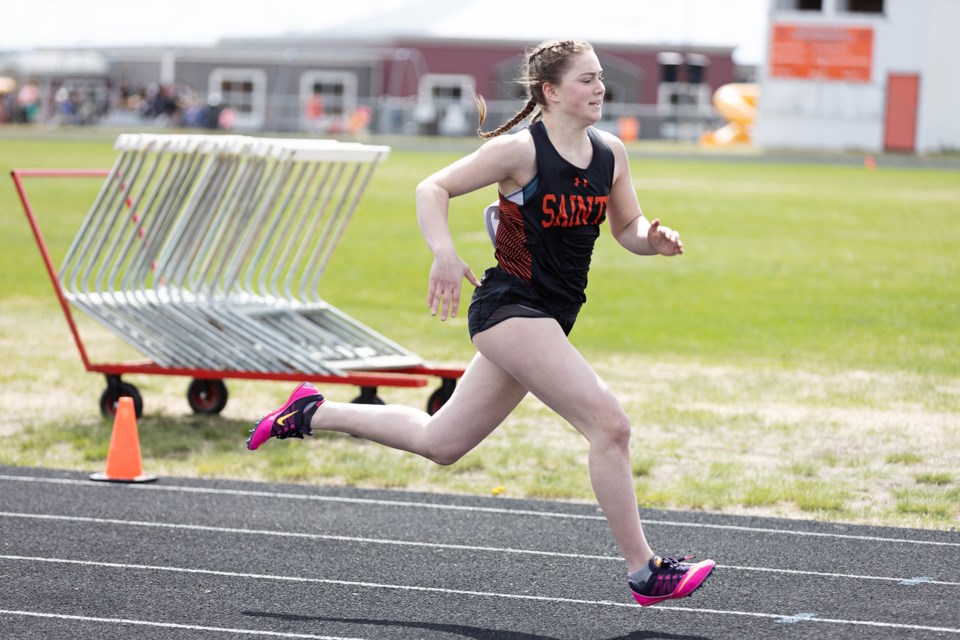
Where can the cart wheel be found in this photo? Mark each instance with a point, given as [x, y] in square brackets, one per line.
[439, 397]
[368, 395]
[207, 397]
[112, 394]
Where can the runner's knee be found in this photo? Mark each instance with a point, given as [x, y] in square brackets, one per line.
[611, 429]
[445, 454]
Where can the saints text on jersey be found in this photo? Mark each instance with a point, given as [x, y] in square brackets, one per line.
[569, 210]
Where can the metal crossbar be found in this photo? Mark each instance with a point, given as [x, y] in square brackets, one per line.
[207, 252]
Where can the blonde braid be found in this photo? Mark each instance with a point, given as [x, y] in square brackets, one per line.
[510, 124]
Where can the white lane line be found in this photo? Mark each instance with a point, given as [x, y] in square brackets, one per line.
[439, 545]
[168, 625]
[452, 507]
[804, 619]
[485, 594]
[308, 536]
[908, 582]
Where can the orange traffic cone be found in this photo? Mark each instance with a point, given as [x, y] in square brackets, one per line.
[123, 459]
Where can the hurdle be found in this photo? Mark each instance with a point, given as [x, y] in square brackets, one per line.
[205, 253]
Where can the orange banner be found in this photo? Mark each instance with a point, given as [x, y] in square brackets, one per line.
[821, 52]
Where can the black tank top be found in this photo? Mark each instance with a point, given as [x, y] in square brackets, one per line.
[548, 229]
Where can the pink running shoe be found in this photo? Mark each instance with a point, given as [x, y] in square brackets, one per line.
[291, 420]
[666, 578]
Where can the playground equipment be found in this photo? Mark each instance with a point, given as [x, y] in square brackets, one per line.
[205, 254]
[736, 103]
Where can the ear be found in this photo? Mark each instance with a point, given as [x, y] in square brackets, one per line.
[550, 92]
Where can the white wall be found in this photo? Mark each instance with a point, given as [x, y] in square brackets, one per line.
[938, 128]
[808, 114]
[912, 36]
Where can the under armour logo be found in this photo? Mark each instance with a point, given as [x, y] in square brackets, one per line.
[577, 181]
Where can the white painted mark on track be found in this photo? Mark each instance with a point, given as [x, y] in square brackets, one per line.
[452, 507]
[485, 594]
[438, 545]
[798, 617]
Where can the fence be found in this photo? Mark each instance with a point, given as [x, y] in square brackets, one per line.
[407, 116]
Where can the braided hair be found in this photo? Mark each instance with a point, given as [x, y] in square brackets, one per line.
[545, 63]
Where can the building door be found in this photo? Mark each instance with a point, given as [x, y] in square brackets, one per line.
[900, 127]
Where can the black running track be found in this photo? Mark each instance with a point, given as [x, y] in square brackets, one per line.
[185, 558]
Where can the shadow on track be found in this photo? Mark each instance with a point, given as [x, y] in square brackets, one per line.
[475, 633]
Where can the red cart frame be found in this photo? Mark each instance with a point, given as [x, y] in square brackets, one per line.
[207, 393]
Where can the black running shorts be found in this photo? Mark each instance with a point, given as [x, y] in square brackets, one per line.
[503, 296]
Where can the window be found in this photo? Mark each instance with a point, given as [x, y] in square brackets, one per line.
[244, 91]
[447, 94]
[684, 69]
[328, 98]
[800, 5]
[444, 102]
[669, 66]
[697, 64]
[861, 6]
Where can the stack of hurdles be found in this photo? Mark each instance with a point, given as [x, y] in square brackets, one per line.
[207, 251]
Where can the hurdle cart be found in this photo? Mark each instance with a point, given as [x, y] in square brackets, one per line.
[205, 253]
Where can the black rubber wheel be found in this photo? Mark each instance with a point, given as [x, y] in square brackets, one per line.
[207, 397]
[112, 394]
[368, 395]
[439, 397]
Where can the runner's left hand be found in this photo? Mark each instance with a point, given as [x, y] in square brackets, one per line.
[664, 240]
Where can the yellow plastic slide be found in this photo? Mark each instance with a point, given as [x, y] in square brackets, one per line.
[737, 103]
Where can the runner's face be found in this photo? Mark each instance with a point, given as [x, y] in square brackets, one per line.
[581, 88]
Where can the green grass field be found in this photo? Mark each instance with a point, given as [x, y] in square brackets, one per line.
[806, 343]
